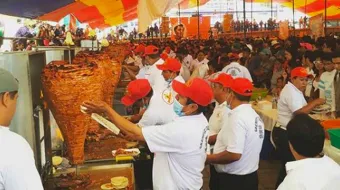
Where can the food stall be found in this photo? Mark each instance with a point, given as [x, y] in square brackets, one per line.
[43, 97]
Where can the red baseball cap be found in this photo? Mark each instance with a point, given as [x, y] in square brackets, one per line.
[224, 79]
[299, 72]
[164, 56]
[151, 50]
[196, 89]
[140, 48]
[136, 90]
[242, 86]
[170, 64]
[167, 49]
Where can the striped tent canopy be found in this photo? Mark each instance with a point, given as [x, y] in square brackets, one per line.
[97, 13]
[310, 7]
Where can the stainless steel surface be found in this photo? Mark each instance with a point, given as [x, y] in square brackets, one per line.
[26, 67]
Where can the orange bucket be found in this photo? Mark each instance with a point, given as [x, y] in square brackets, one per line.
[330, 124]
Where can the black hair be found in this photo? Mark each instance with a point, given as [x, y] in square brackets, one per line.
[150, 94]
[180, 25]
[154, 56]
[200, 109]
[224, 59]
[336, 54]
[280, 78]
[310, 55]
[306, 135]
[241, 97]
[11, 94]
[327, 56]
[215, 65]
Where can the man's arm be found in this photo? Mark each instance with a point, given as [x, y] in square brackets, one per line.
[224, 157]
[125, 125]
[310, 106]
[212, 139]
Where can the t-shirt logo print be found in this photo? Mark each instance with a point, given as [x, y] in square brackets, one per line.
[167, 97]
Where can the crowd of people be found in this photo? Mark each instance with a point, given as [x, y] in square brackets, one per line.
[301, 72]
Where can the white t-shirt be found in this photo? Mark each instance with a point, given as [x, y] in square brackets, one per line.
[218, 117]
[243, 133]
[180, 152]
[142, 71]
[160, 110]
[155, 77]
[196, 64]
[17, 164]
[326, 86]
[237, 71]
[312, 174]
[291, 99]
[187, 61]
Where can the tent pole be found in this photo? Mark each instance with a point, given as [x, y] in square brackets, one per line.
[251, 17]
[198, 19]
[294, 17]
[271, 9]
[325, 17]
[244, 19]
[179, 13]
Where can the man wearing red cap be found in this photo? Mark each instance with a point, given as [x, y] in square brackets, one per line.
[180, 146]
[239, 143]
[138, 64]
[235, 69]
[154, 75]
[170, 70]
[291, 102]
[219, 86]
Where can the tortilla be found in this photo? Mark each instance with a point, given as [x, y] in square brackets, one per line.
[119, 182]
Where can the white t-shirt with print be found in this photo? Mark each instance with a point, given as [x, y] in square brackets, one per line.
[196, 64]
[160, 110]
[291, 99]
[312, 174]
[237, 71]
[180, 152]
[155, 77]
[17, 164]
[243, 134]
[326, 86]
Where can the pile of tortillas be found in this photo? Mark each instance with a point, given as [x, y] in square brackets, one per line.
[116, 183]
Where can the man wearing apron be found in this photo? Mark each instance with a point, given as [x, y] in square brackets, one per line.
[291, 102]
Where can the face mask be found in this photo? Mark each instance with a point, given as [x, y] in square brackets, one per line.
[228, 104]
[145, 105]
[178, 107]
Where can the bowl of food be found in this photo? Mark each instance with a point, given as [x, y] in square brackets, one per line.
[120, 182]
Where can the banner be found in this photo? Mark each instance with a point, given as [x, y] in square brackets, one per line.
[227, 18]
[187, 27]
[316, 26]
[283, 30]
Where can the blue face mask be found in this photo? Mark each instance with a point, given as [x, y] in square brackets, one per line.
[178, 107]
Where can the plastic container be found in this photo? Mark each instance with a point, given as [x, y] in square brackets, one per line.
[330, 124]
[259, 93]
[335, 137]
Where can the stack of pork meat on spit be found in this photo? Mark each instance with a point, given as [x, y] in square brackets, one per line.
[92, 76]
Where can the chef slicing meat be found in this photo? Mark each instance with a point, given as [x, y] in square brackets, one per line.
[17, 164]
[180, 146]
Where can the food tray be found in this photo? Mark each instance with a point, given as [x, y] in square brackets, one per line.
[335, 137]
[134, 151]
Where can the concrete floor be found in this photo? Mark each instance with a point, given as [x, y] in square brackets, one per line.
[267, 172]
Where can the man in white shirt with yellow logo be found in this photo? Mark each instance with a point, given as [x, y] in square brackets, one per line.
[312, 170]
[291, 102]
[219, 86]
[179, 146]
[239, 143]
[17, 164]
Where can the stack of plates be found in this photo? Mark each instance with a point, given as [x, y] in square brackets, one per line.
[322, 109]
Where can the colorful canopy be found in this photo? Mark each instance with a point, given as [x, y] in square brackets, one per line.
[310, 7]
[98, 13]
